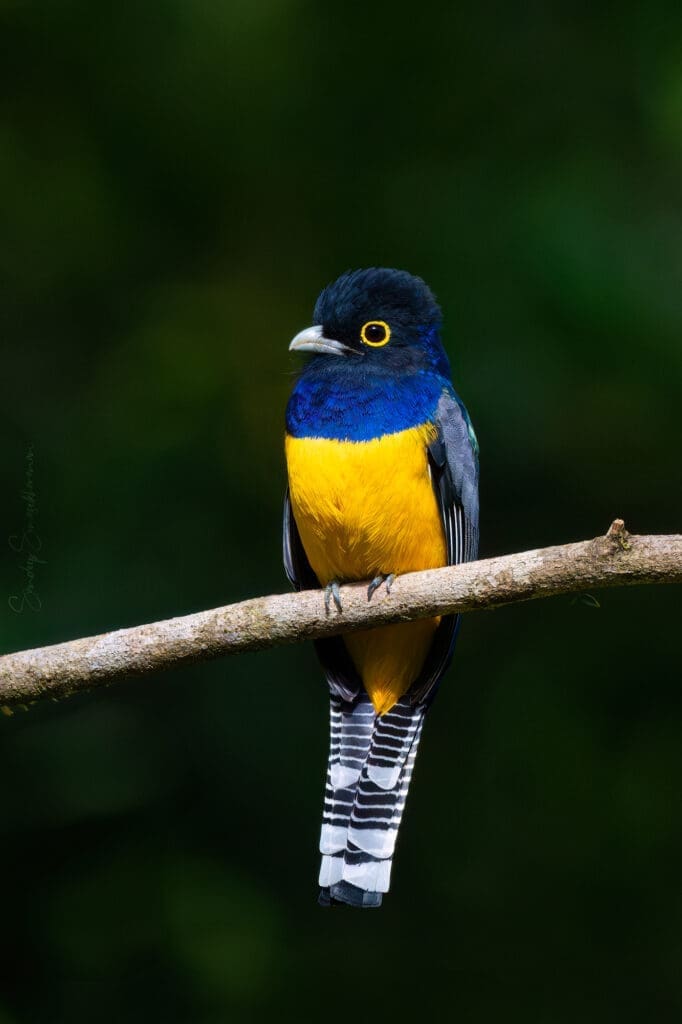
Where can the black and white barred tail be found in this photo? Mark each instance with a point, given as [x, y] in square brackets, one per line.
[371, 759]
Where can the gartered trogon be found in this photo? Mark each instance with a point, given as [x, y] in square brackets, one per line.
[382, 467]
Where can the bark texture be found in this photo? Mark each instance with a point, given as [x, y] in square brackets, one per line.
[616, 559]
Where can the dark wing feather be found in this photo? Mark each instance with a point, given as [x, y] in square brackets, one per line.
[342, 676]
[453, 459]
[296, 564]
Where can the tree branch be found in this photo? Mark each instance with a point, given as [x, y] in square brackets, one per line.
[618, 559]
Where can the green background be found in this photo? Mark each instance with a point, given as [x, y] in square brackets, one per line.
[178, 180]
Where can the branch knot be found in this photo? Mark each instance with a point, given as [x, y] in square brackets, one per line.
[618, 535]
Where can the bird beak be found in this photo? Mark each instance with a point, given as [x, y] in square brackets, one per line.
[313, 340]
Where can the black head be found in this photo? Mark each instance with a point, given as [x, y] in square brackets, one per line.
[403, 302]
[381, 314]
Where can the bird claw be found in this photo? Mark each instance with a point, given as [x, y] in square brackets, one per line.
[332, 591]
[388, 579]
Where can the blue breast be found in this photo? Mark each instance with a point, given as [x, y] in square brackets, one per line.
[340, 403]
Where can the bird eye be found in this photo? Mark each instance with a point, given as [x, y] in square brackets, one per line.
[375, 333]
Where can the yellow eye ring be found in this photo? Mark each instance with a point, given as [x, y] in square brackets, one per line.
[376, 333]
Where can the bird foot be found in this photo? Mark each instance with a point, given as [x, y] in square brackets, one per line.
[387, 578]
[332, 590]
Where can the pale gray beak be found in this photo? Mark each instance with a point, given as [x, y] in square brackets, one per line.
[313, 340]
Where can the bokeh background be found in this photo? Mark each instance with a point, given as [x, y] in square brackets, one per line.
[178, 180]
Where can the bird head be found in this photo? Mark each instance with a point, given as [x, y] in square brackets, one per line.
[384, 317]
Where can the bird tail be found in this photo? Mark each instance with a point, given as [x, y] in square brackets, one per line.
[371, 758]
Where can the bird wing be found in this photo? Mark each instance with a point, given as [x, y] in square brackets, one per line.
[342, 677]
[453, 460]
[454, 463]
[296, 565]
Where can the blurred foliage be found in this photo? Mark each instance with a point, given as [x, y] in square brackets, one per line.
[177, 182]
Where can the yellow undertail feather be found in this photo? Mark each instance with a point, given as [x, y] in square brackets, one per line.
[364, 508]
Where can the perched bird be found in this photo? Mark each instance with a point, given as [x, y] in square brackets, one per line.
[382, 466]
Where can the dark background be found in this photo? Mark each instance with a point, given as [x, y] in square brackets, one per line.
[178, 180]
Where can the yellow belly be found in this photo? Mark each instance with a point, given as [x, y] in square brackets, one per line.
[364, 508]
